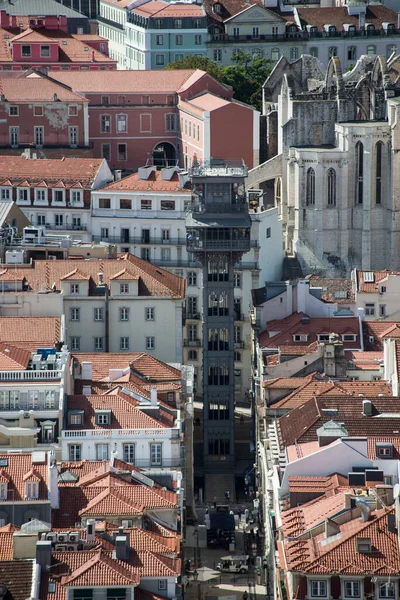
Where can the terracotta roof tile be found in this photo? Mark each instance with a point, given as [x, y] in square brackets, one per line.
[18, 577]
[19, 470]
[365, 361]
[30, 332]
[300, 519]
[300, 324]
[157, 82]
[377, 276]
[153, 280]
[333, 288]
[124, 414]
[338, 16]
[154, 184]
[55, 173]
[36, 89]
[373, 332]
[6, 544]
[13, 358]
[142, 366]
[159, 9]
[316, 483]
[301, 423]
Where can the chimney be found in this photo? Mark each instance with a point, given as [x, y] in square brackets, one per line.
[347, 500]
[54, 491]
[384, 495]
[43, 555]
[90, 530]
[117, 175]
[153, 395]
[121, 547]
[24, 545]
[104, 466]
[365, 509]
[367, 408]
[361, 20]
[87, 371]
[93, 59]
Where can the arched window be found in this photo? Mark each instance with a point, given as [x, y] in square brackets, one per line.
[359, 173]
[331, 180]
[378, 174]
[371, 49]
[310, 191]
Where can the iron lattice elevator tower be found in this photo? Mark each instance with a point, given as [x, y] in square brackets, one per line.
[218, 234]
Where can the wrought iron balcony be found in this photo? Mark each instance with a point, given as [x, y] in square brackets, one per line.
[194, 244]
[63, 227]
[194, 316]
[192, 343]
[139, 241]
[219, 168]
[239, 316]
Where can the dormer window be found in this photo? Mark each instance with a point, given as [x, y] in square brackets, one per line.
[3, 491]
[44, 51]
[370, 28]
[26, 51]
[217, 8]
[349, 337]
[313, 30]
[352, 589]
[300, 337]
[103, 417]
[323, 337]
[32, 489]
[76, 196]
[74, 288]
[332, 30]
[384, 450]
[124, 288]
[363, 545]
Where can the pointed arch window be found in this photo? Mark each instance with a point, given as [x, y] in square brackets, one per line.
[378, 174]
[310, 192]
[331, 181]
[359, 173]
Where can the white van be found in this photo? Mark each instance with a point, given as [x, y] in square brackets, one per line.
[233, 564]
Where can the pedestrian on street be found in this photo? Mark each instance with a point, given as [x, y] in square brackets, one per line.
[245, 595]
[215, 502]
[239, 512]
[227, 495]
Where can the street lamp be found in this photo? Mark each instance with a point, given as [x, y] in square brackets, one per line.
[196, 579]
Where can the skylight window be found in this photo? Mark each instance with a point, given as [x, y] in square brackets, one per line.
[369, 277]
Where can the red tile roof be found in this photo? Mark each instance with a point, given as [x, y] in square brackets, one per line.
[374, 332]
[338, 16]
[365, 361]
[35, 88]
[30, 332]
[332, 288]
[302, 324]
[142, 367]
[300, 519]
[156, 82]
[68, 172]
[339, 553]
[17, 577]
[124, 414]
[301, 424]
[153, 280]
[315, 388]
[13, 358]
[158, 9]
[154, 183]
[316, 483]
[377, 277]
[285, 383]
[21, 469]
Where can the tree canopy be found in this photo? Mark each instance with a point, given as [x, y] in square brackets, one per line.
[245, 75]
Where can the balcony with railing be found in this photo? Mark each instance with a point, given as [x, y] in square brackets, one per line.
[193, 316]
[62, 227]
[140, 240]
[219, 168]
[118, 434]
[222, 38]
[195, 343]
[31, 375]
[164, 463]
[239, 316]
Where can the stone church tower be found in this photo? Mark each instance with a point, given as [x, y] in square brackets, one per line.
[337, 161]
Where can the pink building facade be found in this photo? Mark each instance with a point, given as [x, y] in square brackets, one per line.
[167, 117]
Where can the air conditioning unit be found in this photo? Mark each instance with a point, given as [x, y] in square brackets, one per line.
[61, 547]
[73, 536]
[51, 536]
[71, 548]
[62, 537]
[126, 523]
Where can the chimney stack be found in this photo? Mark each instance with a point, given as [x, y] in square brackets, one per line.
[153, 395]
[121, 547]
[43, 555]
[87, 370]
[90, 530]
